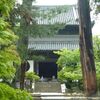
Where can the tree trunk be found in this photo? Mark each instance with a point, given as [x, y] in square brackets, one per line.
[24, 67]
[86, 48]
[22, 76]
[26, 18]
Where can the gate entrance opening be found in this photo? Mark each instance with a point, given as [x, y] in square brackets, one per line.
[48, 69]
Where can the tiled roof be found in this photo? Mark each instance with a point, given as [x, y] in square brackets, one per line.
[70, 16]
[57, 42]
[54, 43]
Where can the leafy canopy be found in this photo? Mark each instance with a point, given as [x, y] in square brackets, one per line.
[8, 53]
[8, 56]
[9, 93]
[69, 64]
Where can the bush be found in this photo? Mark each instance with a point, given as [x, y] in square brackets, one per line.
[9, 93]
[32, 76]
[69, 68]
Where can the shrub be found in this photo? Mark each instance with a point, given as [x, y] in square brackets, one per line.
[32, 76]
[9, 93]
[69, 67]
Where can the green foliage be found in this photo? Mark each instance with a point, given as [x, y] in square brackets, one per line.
[67, 58]
[69, 67]
[8, 56]
[50, 12]
[8, 93]
[96, 45]
[6, 35]
[32, 76]
[38, 58]
[98, 74]
[70, 73]
[8, 53]
[97, 2]
[95, 5]
[46, 30]
[22, 50]
[98, 70]
[5, 7]
[69, 64]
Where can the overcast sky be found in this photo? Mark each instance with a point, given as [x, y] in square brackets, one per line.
[96, 27]
[53, 2]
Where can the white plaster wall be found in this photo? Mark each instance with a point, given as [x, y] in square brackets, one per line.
[31, 62]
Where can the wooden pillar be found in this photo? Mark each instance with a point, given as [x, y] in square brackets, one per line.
[36, 67]
[86, 48]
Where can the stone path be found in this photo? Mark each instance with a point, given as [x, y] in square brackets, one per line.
[60, 96]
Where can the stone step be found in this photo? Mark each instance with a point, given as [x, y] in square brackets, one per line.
[48, 96]
[60, 96]
[47, 87]
[69, 98]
